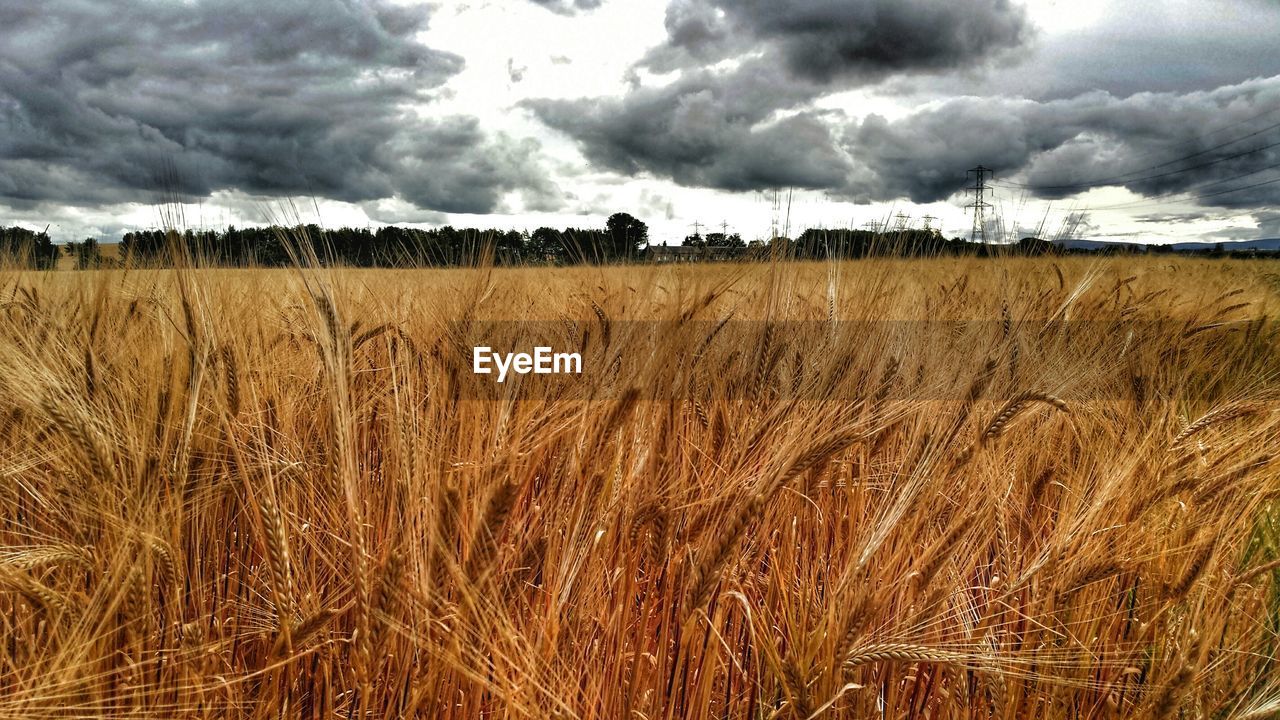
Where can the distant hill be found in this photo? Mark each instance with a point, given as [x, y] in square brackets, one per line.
[1265, 245]
[1095, 245]
[1269, 244]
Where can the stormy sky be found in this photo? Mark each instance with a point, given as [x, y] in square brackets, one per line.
[1154, 120]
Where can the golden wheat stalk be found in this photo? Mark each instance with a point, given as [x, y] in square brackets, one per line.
[1218, 416]
[901, 652]
[1015, 407]
[794, 677]
[85, 438]
[231, 379]
[276, 535]
[37, 593]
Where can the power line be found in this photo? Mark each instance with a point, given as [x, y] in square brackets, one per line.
[1192, 197]
[1187, 196]
[1232, 190]
[1195, 195]
[1125, 180]
[1172, 196]
[1215, 131]
[1128, 177]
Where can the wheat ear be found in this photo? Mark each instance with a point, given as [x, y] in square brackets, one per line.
[903, 652]
[277, 542]
[1215, 417]
[232, 379]
[1016, 407]
[794, 675]
[484, 544]
[36, 592]
[706, 574]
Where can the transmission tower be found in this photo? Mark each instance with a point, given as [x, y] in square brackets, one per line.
[979, 204]
[901, 225]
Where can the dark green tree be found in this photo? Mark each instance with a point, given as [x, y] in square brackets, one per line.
[27, 248]
[626, 236]
[732, 240]
[547, 245]
[86, 253]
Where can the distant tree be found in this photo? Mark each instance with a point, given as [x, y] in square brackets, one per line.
[547, 245]
[86, 253]
[732, 240]
[508, 246]
[27, 248]
[589, 245]
[626, 236]
[694, 240]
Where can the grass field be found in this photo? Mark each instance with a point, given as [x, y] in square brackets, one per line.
[907, 489]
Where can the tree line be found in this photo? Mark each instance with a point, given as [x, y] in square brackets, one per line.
[624, 238]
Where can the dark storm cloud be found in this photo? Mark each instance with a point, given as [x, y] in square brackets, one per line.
[696, 34]
[1063, 147]
[860, 40]
[567, 7]
[705, 129]
[109, 102]
[1131, 47]
[744, 125]
[440, 169]
[739, 112]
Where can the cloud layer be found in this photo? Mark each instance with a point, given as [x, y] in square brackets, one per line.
[734, 106]
[113, 102]
[747, 123]
[1154, 144]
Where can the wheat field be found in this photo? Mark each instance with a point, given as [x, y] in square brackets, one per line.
[950, 488]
